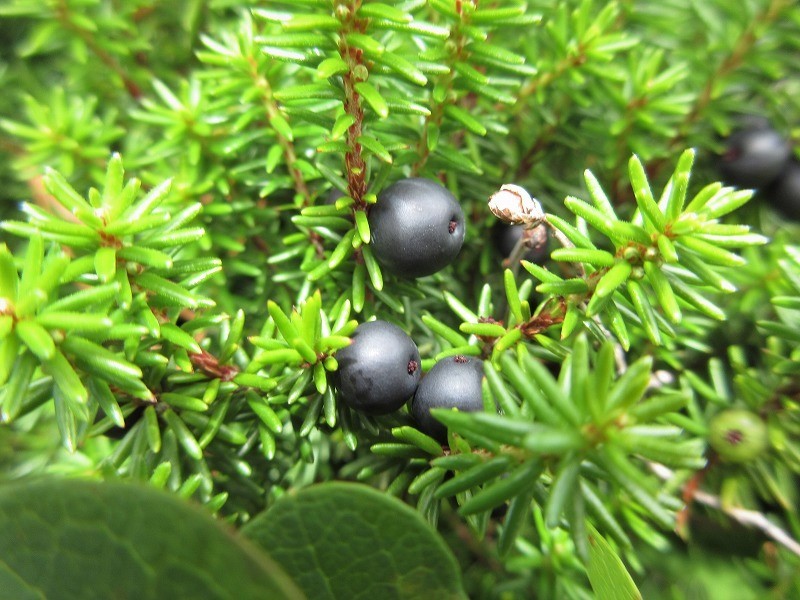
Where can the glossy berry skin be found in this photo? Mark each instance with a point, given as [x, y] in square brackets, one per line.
[505, 238]
[738, 435]
[379, 371]
[453, 382]
[784, 192]
[754, 157]
[416, 227]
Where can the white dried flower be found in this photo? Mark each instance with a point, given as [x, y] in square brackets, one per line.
[514, 205]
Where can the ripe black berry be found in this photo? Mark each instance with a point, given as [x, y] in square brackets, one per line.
[784, 192]
[754, 157]
[417, 227]
[453, 382]
[380, 370]
[505, 238]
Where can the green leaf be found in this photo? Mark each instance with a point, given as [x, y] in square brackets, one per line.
[65, 378]
[383, 11]
[8, 274]
[370, 46]
[373, 145]
[362, 225]
[105, 263]
[373, 98]
[402, 67]
[56, 184]
[331, 66]
[36, 338]
[96, 358]
[608, 576]
[74, 321]
[564, 487]
[413, 436]
[19, 379]
[597, 258]
[599, 197]
[535, 400]
[664, 294]
[466, 119]
[474, 476]
[496, 494]
[184, 436]
[373, 268]
[94, 539]
[615, 277]
[644, 197]
[342, 540]
[167, 290]
[483, 329]
[146, 205]
[678, 185]
[645, 311]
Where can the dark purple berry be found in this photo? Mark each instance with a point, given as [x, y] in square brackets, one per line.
[453, 382]
[505, 238]
[379, 371]
[784, 192]
[417, 227]
[754, 157]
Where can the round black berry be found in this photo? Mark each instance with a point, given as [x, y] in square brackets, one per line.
[738, 435]
[453, 382]
[380, 370]
[784, 192]
[754, 157]
[505, 238]
[417, 227]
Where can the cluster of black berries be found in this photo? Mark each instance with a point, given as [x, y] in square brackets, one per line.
[416, 229]
[380, 371]
[759, 157]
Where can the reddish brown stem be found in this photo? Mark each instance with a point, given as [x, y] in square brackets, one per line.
[355, 165]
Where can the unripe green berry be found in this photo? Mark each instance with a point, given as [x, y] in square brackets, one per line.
[738, 435]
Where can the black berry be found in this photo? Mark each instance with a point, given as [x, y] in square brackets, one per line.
[754, 157]
[784, 192]
[505, 238]
[380, 370]
[417, 227]
[453, 382]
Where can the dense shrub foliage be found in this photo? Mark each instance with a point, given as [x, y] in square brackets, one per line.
[191, 194]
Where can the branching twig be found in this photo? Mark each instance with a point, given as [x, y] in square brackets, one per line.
[748, 518]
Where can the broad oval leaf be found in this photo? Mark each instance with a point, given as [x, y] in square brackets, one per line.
[87, 539]
[345, 540]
